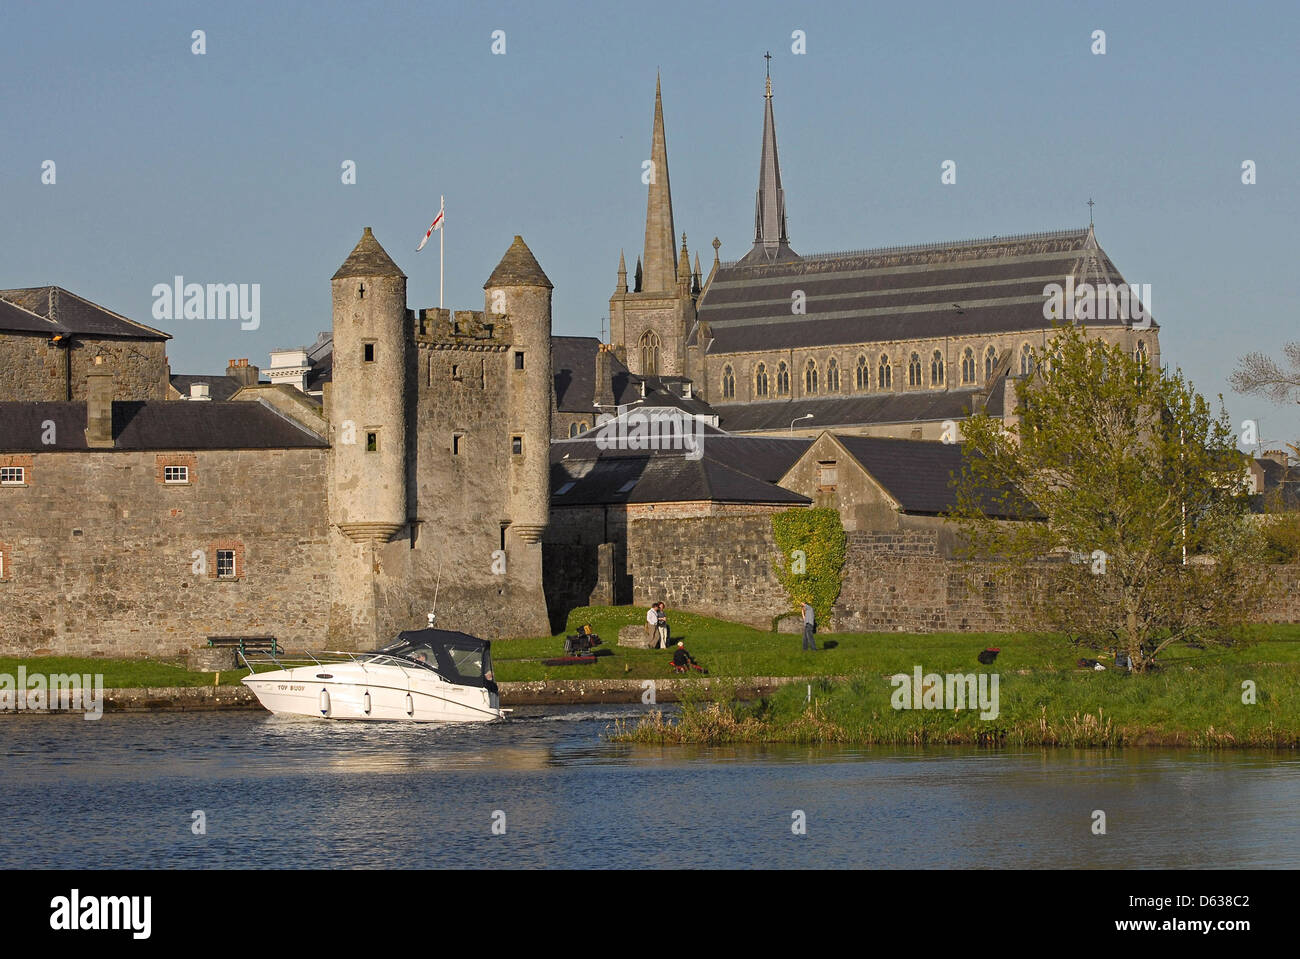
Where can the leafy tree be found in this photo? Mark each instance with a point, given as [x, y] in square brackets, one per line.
[1144, 537]
[812, 546]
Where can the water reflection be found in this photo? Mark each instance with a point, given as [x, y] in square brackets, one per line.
[346, 794]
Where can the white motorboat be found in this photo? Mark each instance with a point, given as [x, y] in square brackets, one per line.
[424, 676]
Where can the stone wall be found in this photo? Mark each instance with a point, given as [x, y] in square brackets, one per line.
[101, 556]
[33, 370]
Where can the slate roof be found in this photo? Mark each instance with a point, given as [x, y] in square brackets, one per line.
[220, 387]
[948, 289]
[155, 425]
[52, 309]
[919, 474]
[856, 410]
[518, 268]
[731, 470]
[573, 364]
[368, 258]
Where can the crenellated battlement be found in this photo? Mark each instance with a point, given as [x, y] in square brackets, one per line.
[436, 328]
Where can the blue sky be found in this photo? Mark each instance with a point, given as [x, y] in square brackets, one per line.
[226, 167]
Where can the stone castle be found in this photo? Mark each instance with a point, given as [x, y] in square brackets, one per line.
[419, 453]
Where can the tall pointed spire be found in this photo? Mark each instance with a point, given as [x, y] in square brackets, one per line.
[771, 242]
[660, 263]
[621, 286]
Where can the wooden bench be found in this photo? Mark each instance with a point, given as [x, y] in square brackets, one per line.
[247, 644]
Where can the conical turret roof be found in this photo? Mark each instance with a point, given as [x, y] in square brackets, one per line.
[518, 268]
[368, 258]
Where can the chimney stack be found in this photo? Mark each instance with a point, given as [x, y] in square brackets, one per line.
[99, 406]
[200, 391]
[604, 397]
[241, 372]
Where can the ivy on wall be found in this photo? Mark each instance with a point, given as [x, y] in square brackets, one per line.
[810, 564]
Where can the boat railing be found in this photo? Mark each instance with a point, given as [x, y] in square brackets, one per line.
[326, 657]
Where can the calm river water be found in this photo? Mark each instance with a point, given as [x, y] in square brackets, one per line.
[281, 793]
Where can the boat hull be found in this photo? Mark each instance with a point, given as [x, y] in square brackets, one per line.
[348, 692]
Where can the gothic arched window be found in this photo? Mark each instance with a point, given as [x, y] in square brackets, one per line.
[832, 376]
[728, 383]
[810, 377]
[968, 365]
[936, 369]
[863, 375]
[1026, 360]
[573, 430]
[650, 353]
[990, 362]
[914, 370]
[782, 379]
[760, 380]
[885, 374]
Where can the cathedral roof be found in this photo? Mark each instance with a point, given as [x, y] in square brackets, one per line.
[857, 409]
[971, 287]
[52, 309]
[518, 268]
[368, 258]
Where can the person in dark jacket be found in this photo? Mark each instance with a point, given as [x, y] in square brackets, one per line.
[682, 660]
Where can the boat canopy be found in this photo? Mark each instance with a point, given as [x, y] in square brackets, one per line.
[459, 657]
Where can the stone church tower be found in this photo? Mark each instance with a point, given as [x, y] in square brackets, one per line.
[649, 324]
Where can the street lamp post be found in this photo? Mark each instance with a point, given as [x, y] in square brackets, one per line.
[806, 416]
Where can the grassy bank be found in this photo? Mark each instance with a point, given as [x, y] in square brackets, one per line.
[1189, 705]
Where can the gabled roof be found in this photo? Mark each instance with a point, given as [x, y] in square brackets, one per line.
[730, 469]
[573, 364]
[518, 268]
[155, 425]
[66, 312]
[219, 387]
[368, 258]
[946, 289]
[919, 474]
[859, 409]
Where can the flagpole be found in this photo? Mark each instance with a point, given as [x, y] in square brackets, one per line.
[442, 240]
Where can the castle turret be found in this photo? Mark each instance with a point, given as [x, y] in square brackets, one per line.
[520, 289]
[367, 396]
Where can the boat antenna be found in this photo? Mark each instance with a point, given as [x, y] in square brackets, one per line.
[433, 612]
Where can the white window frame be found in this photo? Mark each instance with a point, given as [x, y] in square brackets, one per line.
[20, 481]
[185, 472]
[234, 563]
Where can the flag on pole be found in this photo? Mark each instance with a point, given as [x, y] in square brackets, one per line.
[435, 225]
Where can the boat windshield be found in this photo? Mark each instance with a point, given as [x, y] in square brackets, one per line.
[458, 657]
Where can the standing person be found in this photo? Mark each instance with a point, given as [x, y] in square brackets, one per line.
[661, 627]
[809, 627]
[651, 622]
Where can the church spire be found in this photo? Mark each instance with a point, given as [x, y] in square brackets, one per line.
[660, 263]
[771, 242]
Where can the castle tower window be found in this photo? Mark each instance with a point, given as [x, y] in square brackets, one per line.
[914, 370]
[455, 371]
[990, 362]
[176, 475]
[226, 567]
[372, 441]
[519, 359]
[517, 445]
[810, 377]
[13, 476]
[368, 352]
[760, 380]
[4, 565]
[862, 376]
[968, 365]
[728, 383]
[456, 443]
[936, 369]
[1026, 360]
[650, 353]
[782, 379]
[832, 376]
[885, 374]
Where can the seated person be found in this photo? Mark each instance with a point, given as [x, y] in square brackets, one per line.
[682, 660]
